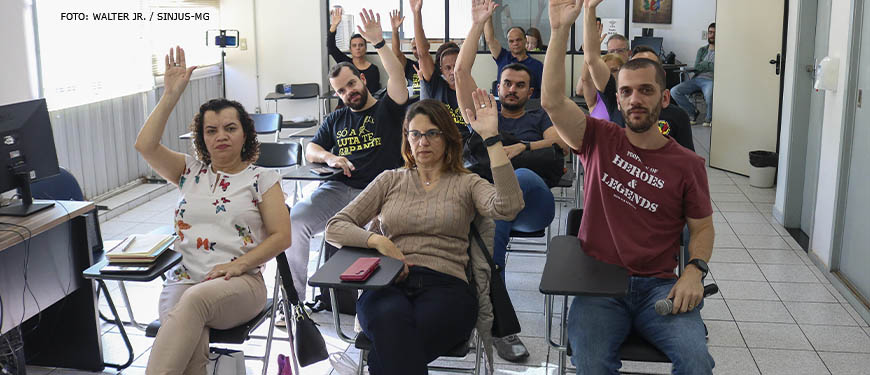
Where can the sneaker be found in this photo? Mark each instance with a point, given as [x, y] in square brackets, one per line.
[280, 322]
[693, 120]
[510, 348]
[706, 123]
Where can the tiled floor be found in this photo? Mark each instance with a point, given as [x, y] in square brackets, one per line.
[775, 313]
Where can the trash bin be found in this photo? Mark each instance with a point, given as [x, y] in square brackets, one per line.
[762, 168]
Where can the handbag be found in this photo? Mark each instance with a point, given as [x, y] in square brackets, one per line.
[309, 343]
[225, 362]
[505, 320]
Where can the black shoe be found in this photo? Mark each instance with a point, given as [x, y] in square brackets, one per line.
[317, 305]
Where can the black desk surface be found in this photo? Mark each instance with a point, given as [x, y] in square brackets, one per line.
[303, 172]
[569, 271]
[164, 262]
[327, 275]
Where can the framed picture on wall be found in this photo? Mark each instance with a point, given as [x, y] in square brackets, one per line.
[652, 11]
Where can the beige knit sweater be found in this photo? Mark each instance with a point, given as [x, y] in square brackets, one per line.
[430, 228]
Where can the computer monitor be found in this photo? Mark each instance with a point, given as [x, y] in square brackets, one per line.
[654, 42]
[27, 153]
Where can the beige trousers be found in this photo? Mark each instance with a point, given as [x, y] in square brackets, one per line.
[187, 311]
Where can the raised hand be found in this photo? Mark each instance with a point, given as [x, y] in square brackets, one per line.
[485, 121]
[177, 74]
[481, 10]
[592, 3]
[336, 14]
[563, 13]
[396, 19]
[371, 26]
[416, 5]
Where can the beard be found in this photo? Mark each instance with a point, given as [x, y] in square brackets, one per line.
[711, 41]
[644, 123]
[520, 104]
[364, 98]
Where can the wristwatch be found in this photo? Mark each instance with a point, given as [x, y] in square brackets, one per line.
[492, 140]
[702, 266]
[528, 145]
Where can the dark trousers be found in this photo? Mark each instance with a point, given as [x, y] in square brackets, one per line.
[413, 322]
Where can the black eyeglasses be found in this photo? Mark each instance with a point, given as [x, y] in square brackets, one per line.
[431, 135]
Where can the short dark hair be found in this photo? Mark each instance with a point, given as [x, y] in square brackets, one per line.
[336, 69]
[446, 49]
[713, 25]
[520, 68]
[522, 30]
[597, 19]
[352, 37]
[637, 64]
[642, 48]
[250, 149]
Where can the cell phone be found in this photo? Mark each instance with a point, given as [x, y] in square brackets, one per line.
[225, 41]
[361, 269]
[321, 171]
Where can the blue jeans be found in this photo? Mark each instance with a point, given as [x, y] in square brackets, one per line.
[597, 326]
[536, 215]
[413, 322]
[681, 93]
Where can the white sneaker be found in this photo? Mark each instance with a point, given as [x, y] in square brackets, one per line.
[706, 123]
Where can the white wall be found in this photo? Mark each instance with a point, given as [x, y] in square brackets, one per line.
[241, 64]
[832, 132]
[19, 79]
[290, 49]
[683, 36]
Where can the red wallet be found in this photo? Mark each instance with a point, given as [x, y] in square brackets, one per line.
[361, 269]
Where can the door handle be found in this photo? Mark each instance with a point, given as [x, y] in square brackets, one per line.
[776, 63]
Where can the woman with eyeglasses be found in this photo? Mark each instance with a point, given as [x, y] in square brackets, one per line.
[425, 210]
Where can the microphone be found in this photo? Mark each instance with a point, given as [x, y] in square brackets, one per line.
[666, 306]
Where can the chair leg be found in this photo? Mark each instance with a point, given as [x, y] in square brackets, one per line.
[285, 305]
[120, 324]
[272, 316]
[362, 361]
[320, 259]
[126, 299]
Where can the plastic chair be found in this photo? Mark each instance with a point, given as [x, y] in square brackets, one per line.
[267, 126]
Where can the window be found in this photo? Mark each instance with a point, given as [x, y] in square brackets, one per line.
[350, 20]
[97, 50]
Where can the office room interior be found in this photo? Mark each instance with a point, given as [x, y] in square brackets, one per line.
[790, 255]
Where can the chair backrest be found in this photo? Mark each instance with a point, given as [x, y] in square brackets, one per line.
[60, 187]
[305, 90]
[266, 123]
[279, 155]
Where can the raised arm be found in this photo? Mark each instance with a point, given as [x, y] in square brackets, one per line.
[481, 12]
[333, 50]
[372, 32]
[568, 119]
[592, 47]
[396, 20]
[167, 163]
[425, 62]
[491, 40]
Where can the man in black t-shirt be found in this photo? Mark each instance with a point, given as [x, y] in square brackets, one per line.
[363, 139]
[437, 80]
[410, 66]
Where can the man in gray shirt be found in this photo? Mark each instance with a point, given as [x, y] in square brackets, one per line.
[703, 80]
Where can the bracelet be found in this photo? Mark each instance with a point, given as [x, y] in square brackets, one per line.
[492, 140]
[380, 44]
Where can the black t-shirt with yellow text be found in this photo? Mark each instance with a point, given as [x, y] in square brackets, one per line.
[370, 139]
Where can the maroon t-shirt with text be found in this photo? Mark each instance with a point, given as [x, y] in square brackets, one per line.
[636, 201]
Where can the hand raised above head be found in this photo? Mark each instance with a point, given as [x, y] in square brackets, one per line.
[336, 14]
[563, 13]
[371, 26]
[176, 73]
[416, 5]
[481, 10]
[396, 19]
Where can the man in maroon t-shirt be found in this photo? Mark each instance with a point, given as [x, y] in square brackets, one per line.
[640, 189]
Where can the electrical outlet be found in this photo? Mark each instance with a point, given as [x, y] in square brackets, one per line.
[704, 35]
[243, 44]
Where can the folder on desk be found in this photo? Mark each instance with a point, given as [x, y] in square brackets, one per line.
[140, 248]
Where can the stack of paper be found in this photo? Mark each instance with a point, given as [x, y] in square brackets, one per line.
[140, 248]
